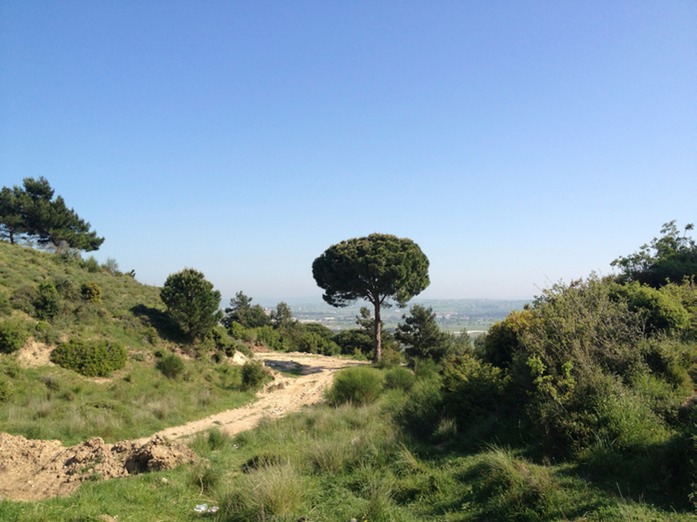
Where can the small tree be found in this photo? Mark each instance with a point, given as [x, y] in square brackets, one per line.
[33, 212]
[242, 311]
[192, 302]
[379, 268]
[670, 257]
[421, 335]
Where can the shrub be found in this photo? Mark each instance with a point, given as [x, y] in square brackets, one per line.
[91, 292]
[13, 335]
[661, 311]
[399, 378]
[47, 303]
[255, 375]
[472, 388]
[359, 385]
[5, 305]
[91, 265]
[171, 365]
[92, 359]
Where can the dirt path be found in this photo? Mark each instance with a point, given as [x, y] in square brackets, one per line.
[283, 395]
[36, 469]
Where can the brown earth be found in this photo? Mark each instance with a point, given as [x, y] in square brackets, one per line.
[36, 469]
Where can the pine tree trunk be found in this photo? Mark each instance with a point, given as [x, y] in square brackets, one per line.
[378, 333]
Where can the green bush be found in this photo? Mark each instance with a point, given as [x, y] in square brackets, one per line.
[47, 304]
[92, 359]
[255, 375]
[91, 292]
[358, 385]
[5, 305]
[171, 365]
[660, 310]
[13, 335]
[399, 378]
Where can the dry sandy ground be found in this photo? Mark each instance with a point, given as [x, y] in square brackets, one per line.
[36, 469]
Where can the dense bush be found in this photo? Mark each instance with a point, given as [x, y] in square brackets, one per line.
[660, 310]
[91, 292]
[357, 385]
[90, 358]
[255, 375]
[13, 335]
[399, 378]
[171, 365]
[47, 303]
[472, 388]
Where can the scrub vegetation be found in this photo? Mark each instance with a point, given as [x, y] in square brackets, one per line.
[579, 407]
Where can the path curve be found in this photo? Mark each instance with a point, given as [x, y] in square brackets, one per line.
[37, 469]
[283, 395]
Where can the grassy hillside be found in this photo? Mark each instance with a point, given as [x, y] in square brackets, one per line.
[580, 407]
[93, 303]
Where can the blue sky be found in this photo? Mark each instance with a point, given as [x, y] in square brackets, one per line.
[519, 143]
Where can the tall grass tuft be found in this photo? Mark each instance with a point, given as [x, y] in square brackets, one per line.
[271, 491]
[512, 488]
[358, 385]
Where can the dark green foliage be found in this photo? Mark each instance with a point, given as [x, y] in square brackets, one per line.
[91, 292]
[399, 378]
[472, 389]
[354, 341]
[192, 302]
[255, 375]
[171, 365]
[358, 385]
[660, 310]
[379, 268]
[243, 312]
[671, 257]
[505, 338]
[90, 358]
[32, 213]
[421, 336]
[13, 335]
[47, 303]
[315, 338]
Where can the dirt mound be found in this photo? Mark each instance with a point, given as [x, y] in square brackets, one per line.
[35, 469]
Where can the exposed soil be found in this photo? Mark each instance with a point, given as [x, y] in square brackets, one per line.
[36, 469]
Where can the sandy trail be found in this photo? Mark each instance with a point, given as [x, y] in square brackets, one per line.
[36, 469]
[282, 396]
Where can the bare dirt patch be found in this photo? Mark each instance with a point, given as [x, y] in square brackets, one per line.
[36, 469]
[33, 354]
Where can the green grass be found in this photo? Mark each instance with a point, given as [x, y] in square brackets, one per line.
[53, 403]
[341, 463]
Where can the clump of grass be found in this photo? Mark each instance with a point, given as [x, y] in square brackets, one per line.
[171, 365]
[271, 491]
[511, 488]
[358, 385]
